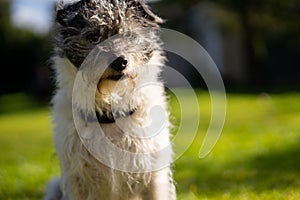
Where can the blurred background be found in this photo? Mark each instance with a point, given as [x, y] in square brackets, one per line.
[255, 44]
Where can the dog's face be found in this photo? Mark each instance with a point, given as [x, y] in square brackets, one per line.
[83, 25]
[131, 30]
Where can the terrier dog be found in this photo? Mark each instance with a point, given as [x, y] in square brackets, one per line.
[117, 43]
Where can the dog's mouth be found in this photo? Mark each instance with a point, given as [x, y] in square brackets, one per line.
[117, 77]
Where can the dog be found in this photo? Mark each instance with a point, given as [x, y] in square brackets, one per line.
[115, 47]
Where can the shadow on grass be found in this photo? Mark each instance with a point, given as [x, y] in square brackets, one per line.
[276, 170]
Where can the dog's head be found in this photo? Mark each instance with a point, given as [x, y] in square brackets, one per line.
[83, 25]
[125, 28]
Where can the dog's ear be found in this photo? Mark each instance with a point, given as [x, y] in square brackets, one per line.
[61, 13]
[147, 13]
[67, 14]
[61, 17]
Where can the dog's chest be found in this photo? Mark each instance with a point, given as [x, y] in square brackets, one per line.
[128, 138]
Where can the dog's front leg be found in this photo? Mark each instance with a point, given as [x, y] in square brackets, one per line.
[162, 185]
[72, 189]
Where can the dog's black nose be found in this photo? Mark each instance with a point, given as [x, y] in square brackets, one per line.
[119, 64]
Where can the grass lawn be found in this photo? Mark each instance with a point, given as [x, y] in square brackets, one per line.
[256, 157]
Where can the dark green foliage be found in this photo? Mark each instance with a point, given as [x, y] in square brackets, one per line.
[24, 56]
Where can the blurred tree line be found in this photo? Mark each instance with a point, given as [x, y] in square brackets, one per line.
[270, 32]
[24, 58]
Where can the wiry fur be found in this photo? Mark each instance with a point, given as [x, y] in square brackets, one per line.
[79, 28]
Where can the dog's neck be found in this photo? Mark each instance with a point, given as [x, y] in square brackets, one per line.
[109, 118]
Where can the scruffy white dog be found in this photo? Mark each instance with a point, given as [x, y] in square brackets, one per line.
[109, 110]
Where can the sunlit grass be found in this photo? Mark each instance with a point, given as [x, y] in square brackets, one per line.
[257, 156]
[26, 150]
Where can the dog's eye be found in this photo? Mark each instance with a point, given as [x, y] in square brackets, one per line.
[94, 37]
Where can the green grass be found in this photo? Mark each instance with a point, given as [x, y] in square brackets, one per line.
[26, 150]
[257, 156]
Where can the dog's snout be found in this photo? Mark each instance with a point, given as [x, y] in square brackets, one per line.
[119, 64]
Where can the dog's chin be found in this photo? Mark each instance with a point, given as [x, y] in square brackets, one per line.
[114, 90]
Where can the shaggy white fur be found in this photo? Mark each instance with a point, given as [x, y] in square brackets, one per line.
[130, 157]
